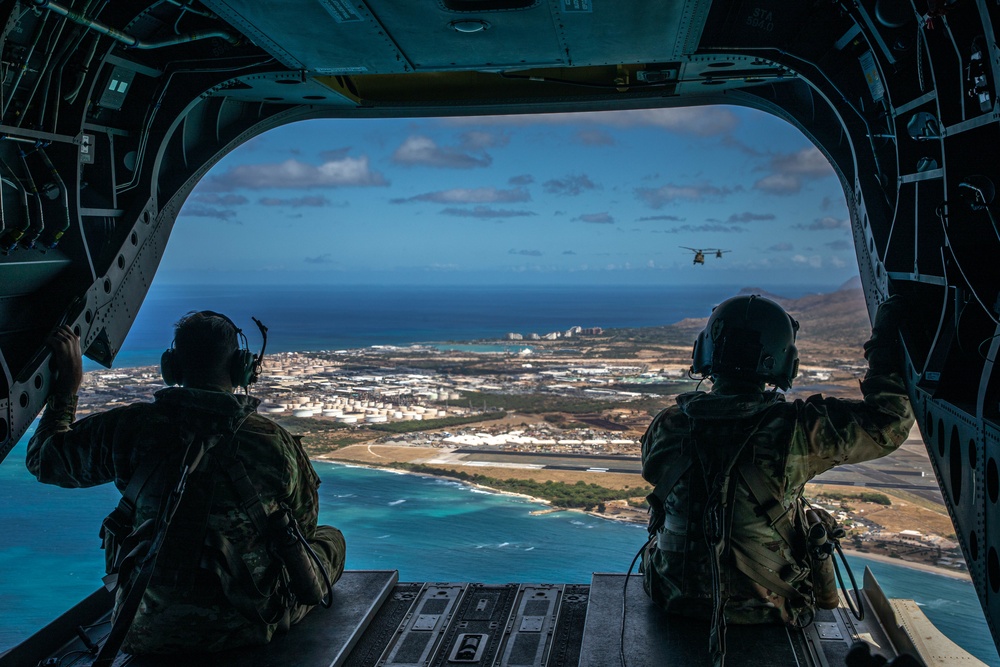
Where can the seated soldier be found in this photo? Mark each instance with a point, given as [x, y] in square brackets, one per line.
[728, 527]
[236, 556]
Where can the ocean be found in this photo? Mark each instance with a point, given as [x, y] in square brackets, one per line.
[315, 317]
[428, 529]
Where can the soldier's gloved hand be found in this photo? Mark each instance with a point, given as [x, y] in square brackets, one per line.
[66, 362]
[883, 350]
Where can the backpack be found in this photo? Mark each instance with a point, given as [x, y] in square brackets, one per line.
[715, 473]
[181, 533]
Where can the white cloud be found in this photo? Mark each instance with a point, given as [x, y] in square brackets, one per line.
[790, 170]
[779, 184]
[825, 223]
[295, 202]
[809, 162]
[294, 174]
[812, 261]
[572, 185]
[603, 218]
[666, 194]
[485, 212]
[469, 196]
[423, 151]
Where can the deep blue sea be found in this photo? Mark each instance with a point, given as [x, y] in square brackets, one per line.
[317, 317]
[428, 529]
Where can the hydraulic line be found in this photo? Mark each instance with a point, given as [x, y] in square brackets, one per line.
[81, 74]
[152, 110]
[51, 239]
[9, 239]
[185, 8]
[24, 67]
[62, 56]
[45, 73]
[28, 241]
[127, 39]
[3, 225]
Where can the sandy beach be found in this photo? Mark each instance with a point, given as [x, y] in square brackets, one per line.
[923, 567]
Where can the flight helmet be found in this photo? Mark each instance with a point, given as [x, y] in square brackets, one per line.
[748, 338]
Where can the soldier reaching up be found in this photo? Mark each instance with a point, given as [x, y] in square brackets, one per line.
[214, 544]
[728, 528]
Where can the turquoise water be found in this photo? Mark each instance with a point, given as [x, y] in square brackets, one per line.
[429, 529]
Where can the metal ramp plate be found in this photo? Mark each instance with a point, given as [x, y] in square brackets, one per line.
[532, 626]
[424, 628]
[478, 627]
[324, 637]
[653, 637]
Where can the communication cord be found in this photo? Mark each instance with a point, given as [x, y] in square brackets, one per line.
[857, 608]
[327, 600]
[628, 573]
[944, 230]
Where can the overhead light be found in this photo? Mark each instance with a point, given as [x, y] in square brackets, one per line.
[469, 25]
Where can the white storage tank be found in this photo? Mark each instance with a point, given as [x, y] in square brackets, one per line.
[303, 413]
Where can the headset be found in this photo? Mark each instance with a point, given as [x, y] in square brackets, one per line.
[244, 366]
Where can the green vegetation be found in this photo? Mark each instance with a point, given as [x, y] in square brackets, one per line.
[873, 497]
[864, 496]
[431, 424]
[299, 425]
[322, 443]
[534, 403]
[580, 495]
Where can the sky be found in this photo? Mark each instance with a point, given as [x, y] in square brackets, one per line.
[583, 198]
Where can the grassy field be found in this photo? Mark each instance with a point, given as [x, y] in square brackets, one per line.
[382, 455]
[387, 455]
[903, 514]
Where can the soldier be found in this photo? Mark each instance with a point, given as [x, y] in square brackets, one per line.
[728, 527]
[240, 556]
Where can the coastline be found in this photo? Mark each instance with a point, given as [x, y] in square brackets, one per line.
[923, 567]
[398, 471]
[550, 509]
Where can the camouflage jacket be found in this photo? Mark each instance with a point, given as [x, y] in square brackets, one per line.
[789, 443]
[186, 610]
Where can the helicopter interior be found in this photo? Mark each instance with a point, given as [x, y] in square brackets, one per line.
[113, 112]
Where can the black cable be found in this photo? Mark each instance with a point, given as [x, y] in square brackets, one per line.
[621, 642]
[858, 610]
[979, 348]
[944, 230]
[327, 600]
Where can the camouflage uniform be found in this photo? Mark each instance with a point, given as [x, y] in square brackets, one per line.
[186, 608]
[789, 443]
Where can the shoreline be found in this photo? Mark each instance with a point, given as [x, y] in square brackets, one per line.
[551, 509]
[923, 567]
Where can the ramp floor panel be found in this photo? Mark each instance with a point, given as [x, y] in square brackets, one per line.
[653, 637]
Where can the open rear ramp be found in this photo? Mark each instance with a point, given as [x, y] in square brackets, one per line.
[377, 621]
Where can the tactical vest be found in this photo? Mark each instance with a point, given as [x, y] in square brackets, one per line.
[194, 549]
[717, 462]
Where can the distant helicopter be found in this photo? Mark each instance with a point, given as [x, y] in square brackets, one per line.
[699, 254]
